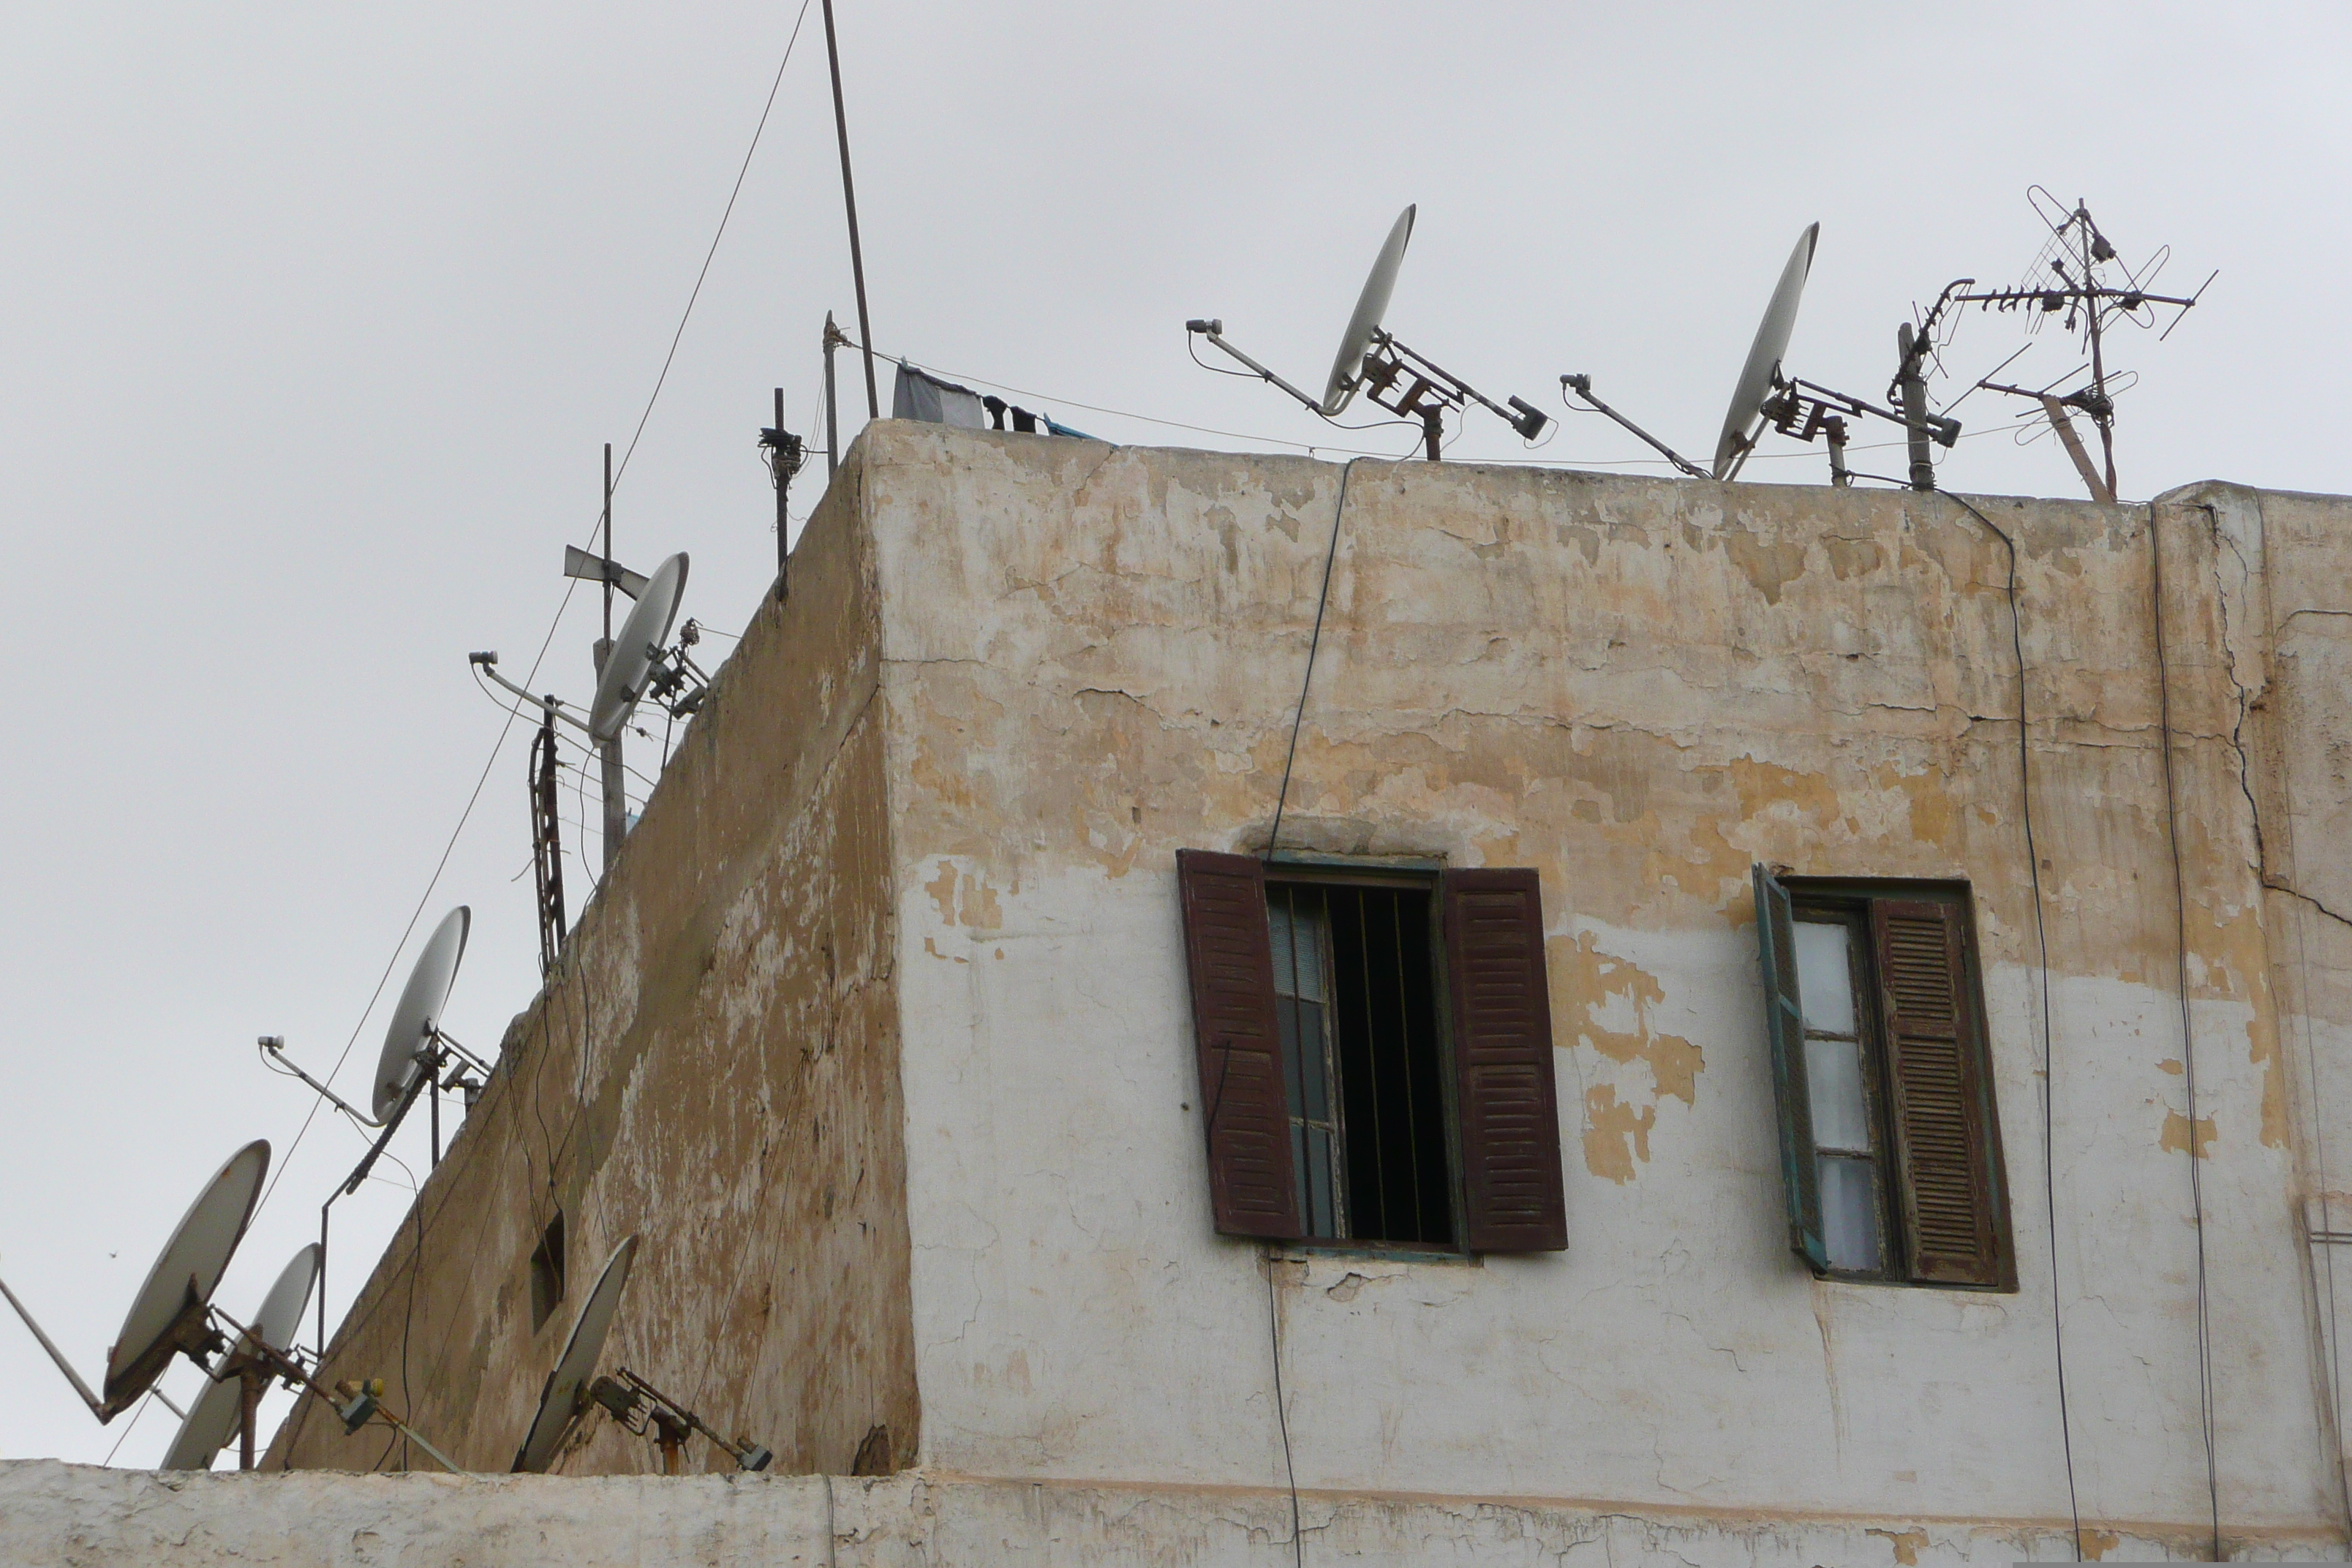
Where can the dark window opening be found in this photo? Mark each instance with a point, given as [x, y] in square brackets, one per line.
[1363, 1058]
[547, 1273]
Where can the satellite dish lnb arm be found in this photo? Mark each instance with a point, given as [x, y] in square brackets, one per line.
[275, 1044]
[488, 663]
[1582, 386]
[97, 1406]
[1216, 333]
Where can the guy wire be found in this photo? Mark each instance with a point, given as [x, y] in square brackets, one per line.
[2049, 1073]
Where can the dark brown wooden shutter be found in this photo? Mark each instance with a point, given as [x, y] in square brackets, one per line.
[1502, 1062]
[1784, 1035]
[1230, 954]
[1945, 1143]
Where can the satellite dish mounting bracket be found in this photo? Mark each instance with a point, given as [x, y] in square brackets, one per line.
[1432, 390]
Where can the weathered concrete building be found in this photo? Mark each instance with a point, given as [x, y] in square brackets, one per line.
[1474, 1174]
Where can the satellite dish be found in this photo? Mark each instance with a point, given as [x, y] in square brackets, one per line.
[566, 1394]
[418, 1015]
[1371, 306]
[633, 652]
[1764, 356]
[212, 1421]
[181, 1285]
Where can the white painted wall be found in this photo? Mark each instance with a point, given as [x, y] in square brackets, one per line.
[1091, 659]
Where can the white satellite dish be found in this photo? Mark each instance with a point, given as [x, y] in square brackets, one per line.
[418, 1015]
[181, 1285]
[1371, 305]
[213, 1420]
[634, 650]
[1764, 357]
[565, 1396]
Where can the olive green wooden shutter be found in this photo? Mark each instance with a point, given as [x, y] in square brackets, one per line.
[1507, 1105]
[1784, 1033]
[1946, 1148]
[1246, 1111]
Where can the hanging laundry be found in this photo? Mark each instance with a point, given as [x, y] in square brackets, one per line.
[920, 396]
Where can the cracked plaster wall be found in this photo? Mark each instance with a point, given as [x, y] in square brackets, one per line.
[713, 1067]
[1091, 657]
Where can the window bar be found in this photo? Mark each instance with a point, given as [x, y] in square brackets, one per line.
[1405, 1037]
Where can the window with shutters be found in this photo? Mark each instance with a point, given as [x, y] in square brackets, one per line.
[1890, 1145]
[1375, 1053]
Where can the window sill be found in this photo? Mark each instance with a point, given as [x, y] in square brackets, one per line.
[1379, 1251]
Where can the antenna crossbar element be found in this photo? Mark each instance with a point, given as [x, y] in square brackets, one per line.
[1214, 332]
[1582, 386]
[578, 563]
[638, 1405]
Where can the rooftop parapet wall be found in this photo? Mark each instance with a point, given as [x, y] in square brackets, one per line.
[713, 1068]
[1093, 657]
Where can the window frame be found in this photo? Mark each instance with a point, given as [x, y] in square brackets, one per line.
[1428, 881]
[1852, 900]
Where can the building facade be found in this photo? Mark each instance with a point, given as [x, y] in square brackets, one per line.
[1004, 1104]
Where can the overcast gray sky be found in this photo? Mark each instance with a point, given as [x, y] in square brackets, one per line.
[316, 318]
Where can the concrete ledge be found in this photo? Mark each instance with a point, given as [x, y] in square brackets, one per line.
[53, 1515]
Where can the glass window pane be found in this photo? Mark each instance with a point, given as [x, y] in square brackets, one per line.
[1850, 1212]
[1321, 1218]
[1825, 975]
[1833, 1084]
[1297, 923]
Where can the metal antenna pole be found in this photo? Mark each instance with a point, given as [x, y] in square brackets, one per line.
[833, 340]
[1914, 387]
[849, 199]
[783, 550]
[608, 752]
[2104, 414]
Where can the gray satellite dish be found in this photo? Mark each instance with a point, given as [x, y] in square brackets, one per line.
[418, 1015]
[212, 1421]
[1371, 305]
[1764, 357]
[566, 1394]
[179, 1287]
[634, 650]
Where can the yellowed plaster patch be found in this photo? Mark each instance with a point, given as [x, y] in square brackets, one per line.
[2097, 1544]
[1615, 1135]
[1764, 785]
[2175, 1138]
[1605, 986]
[2170, 1065]
[1931, 807]
[1907, 1545]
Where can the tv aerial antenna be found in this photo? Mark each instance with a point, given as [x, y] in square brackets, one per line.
[564, 1398]
[1373, 360]
[171, 1315]
[229, 1403]
[640, 663]
[641, 1407]
[2079, 273]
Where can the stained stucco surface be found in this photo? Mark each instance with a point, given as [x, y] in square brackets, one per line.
[1092, 659]
[713, 1070]
[905, 906]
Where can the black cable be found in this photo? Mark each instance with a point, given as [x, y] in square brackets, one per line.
[1339, 515]
[2188, 1037]
[2049, 1073]
[1282, 1416]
